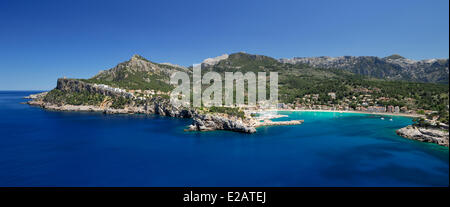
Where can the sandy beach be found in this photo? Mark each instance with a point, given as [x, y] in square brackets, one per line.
[357, 112]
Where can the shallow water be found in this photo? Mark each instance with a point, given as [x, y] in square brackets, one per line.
[47, 148]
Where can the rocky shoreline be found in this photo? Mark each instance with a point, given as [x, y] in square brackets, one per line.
[160, 106]
[207, 122]
[432, 134]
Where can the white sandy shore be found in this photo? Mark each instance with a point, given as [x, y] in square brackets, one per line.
[355, 112]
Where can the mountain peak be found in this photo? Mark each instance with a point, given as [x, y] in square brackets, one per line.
[138, 57]
[215, 60]
[394, 57]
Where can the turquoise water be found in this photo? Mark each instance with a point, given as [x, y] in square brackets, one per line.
[47, 148]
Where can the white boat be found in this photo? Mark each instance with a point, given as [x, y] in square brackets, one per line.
[382, 118]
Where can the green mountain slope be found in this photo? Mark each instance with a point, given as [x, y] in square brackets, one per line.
[394, 67]
[138, 73]
[299, 80]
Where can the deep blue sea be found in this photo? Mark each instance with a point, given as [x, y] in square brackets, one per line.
[48, 148]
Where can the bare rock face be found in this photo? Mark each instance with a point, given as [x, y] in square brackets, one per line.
[163, 107]
[206, 122]
[36, 96]
[73, 85]
[215, 60]
[432, 135]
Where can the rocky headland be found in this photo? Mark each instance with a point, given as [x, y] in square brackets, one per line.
[207, 122]
[157, 105]
[437, 133]
[200, 122]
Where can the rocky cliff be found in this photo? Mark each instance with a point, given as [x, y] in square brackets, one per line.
[73, 85]
[207, 122]
[155, 105]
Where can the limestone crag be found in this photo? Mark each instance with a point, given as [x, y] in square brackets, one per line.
[207, 122]
[155, 105]
[425, 134]
[215, 60]
[35, 96]
[163, 107]
[73, 85]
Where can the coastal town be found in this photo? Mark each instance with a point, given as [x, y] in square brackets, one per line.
[362, 103]
[367, 104]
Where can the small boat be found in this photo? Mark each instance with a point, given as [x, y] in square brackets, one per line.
[382, 118]
[390, 119]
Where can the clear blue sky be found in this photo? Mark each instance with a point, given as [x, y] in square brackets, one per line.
[43, 40]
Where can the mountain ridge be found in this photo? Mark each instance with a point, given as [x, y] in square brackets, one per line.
[394, 67]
